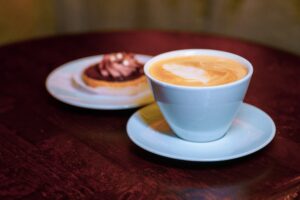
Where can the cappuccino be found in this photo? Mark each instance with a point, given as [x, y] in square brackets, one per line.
[197, 70]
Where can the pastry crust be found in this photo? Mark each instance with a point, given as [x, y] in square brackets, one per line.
[114, 84]
[125, 88]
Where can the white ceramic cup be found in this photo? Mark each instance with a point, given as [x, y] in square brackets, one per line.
[199, 114]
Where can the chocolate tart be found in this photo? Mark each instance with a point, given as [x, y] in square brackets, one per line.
[116, 71]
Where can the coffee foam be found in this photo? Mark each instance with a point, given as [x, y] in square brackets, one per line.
[187, 72]
[198, 70]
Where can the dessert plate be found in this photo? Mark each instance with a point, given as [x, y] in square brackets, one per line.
[251, 130]
[63, 84]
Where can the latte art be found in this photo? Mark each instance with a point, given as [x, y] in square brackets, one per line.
[198, 70]
[187, 72]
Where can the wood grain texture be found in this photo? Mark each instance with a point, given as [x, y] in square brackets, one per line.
[50, 150]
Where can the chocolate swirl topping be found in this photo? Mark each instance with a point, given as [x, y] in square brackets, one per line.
[116, 67]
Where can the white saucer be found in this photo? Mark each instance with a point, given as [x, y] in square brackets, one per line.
[252, 130]
[61, 85]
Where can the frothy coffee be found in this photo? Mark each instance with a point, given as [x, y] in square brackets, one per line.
[198, 70]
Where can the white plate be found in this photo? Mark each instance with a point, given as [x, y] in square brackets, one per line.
[251, 130]
[61, 85]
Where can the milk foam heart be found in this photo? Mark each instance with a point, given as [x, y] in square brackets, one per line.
[187, 72]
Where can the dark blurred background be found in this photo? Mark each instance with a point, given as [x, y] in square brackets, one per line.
[272, 22]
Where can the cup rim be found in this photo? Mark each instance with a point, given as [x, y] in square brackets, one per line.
[188, 52]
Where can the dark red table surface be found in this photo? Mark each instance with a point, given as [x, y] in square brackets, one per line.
[50, 150]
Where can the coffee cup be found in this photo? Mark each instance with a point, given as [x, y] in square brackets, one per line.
[195, 112]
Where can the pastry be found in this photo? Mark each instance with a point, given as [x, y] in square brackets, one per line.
[116, 73]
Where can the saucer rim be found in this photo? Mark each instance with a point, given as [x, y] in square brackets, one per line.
[192, 159]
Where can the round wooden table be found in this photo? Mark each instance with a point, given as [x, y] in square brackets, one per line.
[51, 150]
